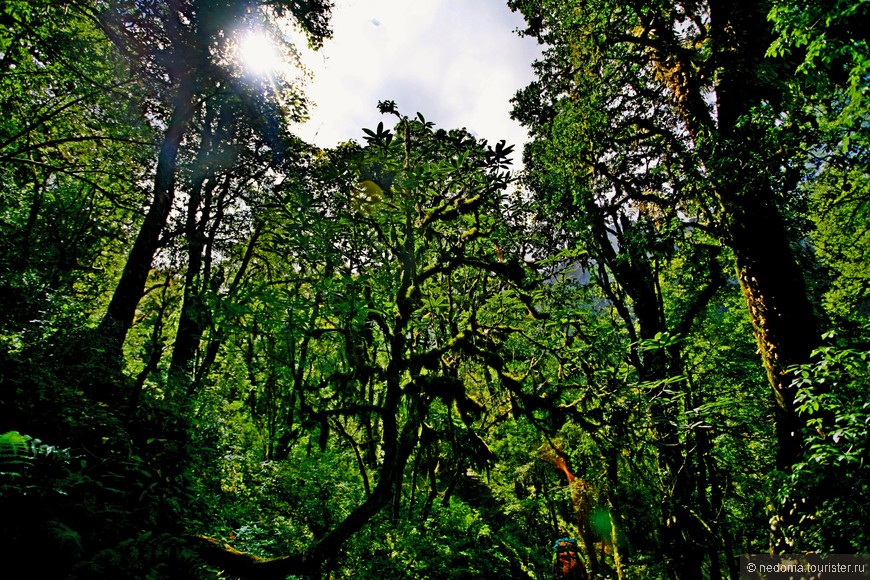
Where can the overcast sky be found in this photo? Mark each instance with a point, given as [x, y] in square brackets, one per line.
[458, 62]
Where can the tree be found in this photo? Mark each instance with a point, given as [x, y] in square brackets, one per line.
[682, 97]
[379, 273]
[830, 59]
[182, 46]
[71, 157]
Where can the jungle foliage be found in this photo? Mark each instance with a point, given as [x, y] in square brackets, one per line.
[226, 352]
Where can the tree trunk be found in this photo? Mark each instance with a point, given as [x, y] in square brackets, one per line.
[122, 308]
[743, 170]
[217, 335]
[191, 322]
[743, 166]
[781, 313]
[634, 271]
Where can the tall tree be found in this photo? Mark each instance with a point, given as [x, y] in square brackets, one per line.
[364, 312]
[711, 117]
[184, 47]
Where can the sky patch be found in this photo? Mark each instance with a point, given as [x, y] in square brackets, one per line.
[458, 62]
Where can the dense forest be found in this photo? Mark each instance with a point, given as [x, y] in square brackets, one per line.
[230, 353]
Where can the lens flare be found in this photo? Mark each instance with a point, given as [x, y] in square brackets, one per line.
[258, 54]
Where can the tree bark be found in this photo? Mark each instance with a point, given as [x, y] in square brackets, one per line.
[781, 313]
[191, 322]
[122, 307]
[742, 173]
[742, 169]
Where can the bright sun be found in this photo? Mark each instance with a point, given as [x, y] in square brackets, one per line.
[258, 54]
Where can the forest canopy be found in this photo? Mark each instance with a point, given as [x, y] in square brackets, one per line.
[226, 352]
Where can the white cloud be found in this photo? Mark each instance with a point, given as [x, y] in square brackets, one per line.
[458, 62]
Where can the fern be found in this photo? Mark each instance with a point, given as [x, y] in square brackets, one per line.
[16, 451]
